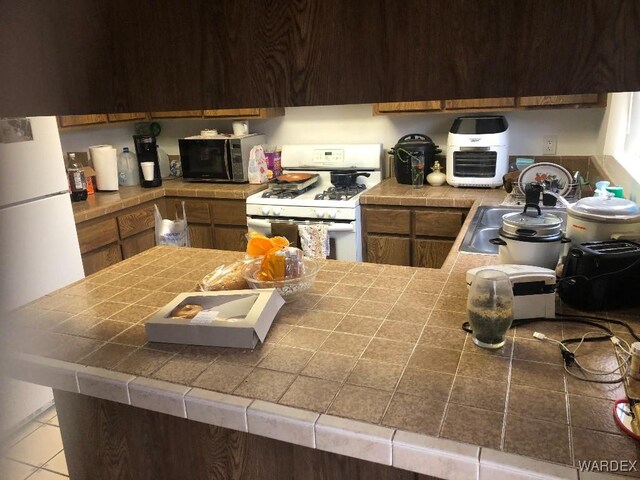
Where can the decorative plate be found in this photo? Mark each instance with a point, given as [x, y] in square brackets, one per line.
[546, 173]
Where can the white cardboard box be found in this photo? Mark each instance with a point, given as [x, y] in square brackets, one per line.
[233, 318]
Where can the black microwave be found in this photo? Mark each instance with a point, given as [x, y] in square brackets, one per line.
[223, 158]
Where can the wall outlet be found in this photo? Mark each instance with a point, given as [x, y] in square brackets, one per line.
[549, 144]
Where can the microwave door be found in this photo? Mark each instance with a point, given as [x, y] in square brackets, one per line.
[205, 160]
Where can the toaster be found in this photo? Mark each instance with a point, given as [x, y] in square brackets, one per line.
[601, 275]
[533, 289]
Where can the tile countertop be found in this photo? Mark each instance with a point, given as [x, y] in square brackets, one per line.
[390, 192]
[102, 203]
[371, 363]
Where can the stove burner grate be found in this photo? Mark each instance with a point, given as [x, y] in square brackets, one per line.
[284, 192]
[341, 193]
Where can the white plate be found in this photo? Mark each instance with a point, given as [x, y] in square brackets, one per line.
[539, 172]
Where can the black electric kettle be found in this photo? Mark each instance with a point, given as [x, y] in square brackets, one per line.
[412, 144]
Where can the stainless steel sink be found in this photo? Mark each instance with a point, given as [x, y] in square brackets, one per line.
[485, 225]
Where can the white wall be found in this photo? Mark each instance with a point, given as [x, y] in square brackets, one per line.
[577, 130]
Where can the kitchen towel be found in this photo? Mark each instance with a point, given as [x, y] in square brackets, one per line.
[314, 238]
[105, 163]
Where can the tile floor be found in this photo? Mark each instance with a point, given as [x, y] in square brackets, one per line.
[35, 451]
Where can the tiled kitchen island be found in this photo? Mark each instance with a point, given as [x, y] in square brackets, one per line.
[369, 370]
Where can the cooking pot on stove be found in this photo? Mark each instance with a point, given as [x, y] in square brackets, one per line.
[412, 144]
[346, 178]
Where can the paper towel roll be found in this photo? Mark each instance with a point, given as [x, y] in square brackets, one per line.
[105, 163]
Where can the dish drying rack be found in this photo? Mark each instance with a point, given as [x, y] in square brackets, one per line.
[517, 197]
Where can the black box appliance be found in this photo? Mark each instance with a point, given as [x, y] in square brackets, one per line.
[602, 276]
[221, 158]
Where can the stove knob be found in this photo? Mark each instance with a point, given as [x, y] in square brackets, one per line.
[332, 214]
[266, 210]
[318, 213]
[277, 210]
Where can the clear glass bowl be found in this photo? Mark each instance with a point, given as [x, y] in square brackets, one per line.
[290, 288]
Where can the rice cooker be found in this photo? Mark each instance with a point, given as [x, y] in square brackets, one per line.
[595, 219]
[530, 238]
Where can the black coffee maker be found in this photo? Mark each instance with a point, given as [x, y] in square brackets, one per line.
[147, 152]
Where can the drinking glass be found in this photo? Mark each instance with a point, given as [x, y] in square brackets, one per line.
[490, 308]
[417, 169]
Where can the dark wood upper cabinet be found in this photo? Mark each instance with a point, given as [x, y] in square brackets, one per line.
[87, 56]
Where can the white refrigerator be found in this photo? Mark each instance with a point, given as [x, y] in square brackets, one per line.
[39, 250]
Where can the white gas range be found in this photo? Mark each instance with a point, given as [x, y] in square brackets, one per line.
[320, 201]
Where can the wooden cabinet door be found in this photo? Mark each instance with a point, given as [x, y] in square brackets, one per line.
[407, 107]
[241, 113]
[387, 220]
[138, 243]
[480, 103]
[177, 114]
[136, 221]
[201, 236]
[126, 117]
[431, 253]
[230, 238]
[438, 223]
[80, 120]
[557, 100]
[99, 259]
[233, 112]
[229, 212]
[197, 210]
[389, 250]
[93, 235]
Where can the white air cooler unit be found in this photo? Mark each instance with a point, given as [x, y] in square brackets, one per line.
[478, 151]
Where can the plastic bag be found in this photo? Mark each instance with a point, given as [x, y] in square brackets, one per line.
[257, 165]
[224, 277]
[172, 232]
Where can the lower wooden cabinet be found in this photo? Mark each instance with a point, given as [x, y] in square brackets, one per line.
[389, 250]
[431, 253]
[201, 236]
[138, 243]
[230, 238]
[106, 240]
[104, 257]
[415, 236]
[113, 237]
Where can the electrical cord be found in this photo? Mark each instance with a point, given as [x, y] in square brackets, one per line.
[569, 356]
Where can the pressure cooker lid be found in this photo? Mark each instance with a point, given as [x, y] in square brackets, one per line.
[416, 140]
[532, 223]
[606, 209]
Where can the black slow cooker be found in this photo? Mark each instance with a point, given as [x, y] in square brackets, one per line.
[414, 144]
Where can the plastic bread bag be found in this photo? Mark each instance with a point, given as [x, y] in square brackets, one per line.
[224, 277]
[281, 263]
[257, 165]
[172, 232]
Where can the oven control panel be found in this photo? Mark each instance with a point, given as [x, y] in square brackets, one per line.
[333, 157]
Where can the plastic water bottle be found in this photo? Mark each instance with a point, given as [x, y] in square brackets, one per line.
[128, 174]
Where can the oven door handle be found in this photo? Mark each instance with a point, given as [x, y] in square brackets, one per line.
[333, 227]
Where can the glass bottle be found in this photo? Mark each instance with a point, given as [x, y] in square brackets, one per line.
[77, 180]
[417, 169]
[490, 308]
